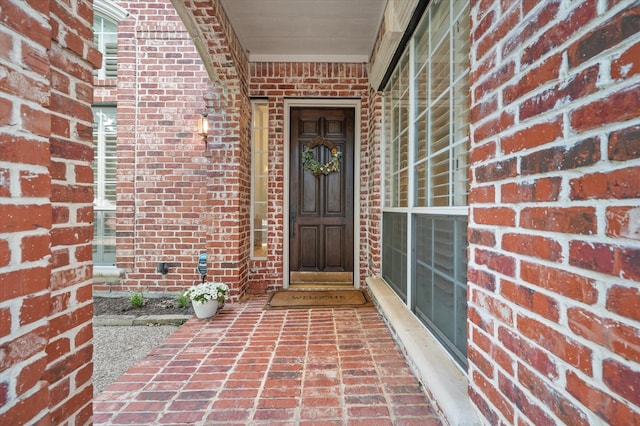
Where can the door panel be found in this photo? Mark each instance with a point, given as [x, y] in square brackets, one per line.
[334, 254]
[309, 256]
[321, 207]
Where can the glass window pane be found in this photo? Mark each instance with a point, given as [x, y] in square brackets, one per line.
[439, 167]
[260, 179]
[260, 164]
[440, 69]
[439, 22]
[422, 138]
[422, 45]
[443, 310]
[259, 244]
[460, 318]
[104, 241]
[397, 160]
[440, 283]
[260, 214]
[403, 190]
[110, 168]
[424, 291]
[460, 109]
[443, 245]
[104, 185]
[460, 180]
[421, 183]
[461, 40]
[394, 256]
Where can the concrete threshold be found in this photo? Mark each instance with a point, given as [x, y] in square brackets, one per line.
[442, 378]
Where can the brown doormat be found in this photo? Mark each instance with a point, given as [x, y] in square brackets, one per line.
[286, 299]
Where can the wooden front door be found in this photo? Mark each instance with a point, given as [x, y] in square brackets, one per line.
[321, 206]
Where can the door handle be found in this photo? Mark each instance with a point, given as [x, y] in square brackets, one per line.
[292, 223]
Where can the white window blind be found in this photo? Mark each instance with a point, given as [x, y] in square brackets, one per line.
[441, 107]
[105, 39]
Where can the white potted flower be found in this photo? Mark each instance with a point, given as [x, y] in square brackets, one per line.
[206, 297]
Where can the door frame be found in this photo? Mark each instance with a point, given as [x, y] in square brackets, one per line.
[323, 103]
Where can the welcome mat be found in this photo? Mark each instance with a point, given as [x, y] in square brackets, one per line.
[286, 299]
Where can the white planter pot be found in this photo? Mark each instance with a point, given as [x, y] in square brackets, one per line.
[206, 309]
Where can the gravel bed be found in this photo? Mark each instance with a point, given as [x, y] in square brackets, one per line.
[115, 349]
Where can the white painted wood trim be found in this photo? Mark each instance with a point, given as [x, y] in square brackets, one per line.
[397, 15]
[358, 59]
[109, 10]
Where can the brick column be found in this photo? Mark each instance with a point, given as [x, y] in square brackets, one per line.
[554, 255]
[46, 199]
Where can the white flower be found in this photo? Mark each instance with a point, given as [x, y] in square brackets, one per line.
[206, 291]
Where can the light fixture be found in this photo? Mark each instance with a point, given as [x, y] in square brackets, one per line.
[213, 100]
[203, 126]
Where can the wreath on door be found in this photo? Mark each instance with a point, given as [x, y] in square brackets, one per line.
[316, 168]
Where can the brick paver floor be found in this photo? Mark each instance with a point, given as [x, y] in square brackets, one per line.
[277, 367]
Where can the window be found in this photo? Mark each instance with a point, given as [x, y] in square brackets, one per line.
[394, 252]
[259, 177]
[107, 14]
[104, 176]
[105, 39]
[426, 185]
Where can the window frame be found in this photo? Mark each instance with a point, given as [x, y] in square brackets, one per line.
[264, 130]
[406, 200]
[101, 203]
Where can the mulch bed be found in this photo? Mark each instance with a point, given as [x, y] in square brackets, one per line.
[123, 306]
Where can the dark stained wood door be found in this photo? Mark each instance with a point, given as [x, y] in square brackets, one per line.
[321, 207]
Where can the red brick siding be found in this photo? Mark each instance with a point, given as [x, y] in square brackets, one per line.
[178, 197]
[277, 81]
[229, 152]
[176, 200]
[162, 171]
[554, 242]
[371, 190]
[372, 181]
[45, 237]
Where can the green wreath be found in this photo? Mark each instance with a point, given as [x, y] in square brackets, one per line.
[310, 163]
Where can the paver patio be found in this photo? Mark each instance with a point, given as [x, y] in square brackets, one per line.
[253, 366]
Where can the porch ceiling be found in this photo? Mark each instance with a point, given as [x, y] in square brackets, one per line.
[306, 30]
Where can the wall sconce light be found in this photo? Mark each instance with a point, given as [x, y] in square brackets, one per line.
[203, 126]
[213, 100]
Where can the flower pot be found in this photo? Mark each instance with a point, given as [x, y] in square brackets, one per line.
[206, 309]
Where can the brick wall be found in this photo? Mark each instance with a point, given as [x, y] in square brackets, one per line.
[176, 199]
[371, 190]
[228, 152]
[277, 81]
[554, 257]
[177, 196]
[162, 169]
[46, 201]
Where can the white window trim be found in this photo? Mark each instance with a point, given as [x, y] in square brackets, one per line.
[106, 273]
[109, 10]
